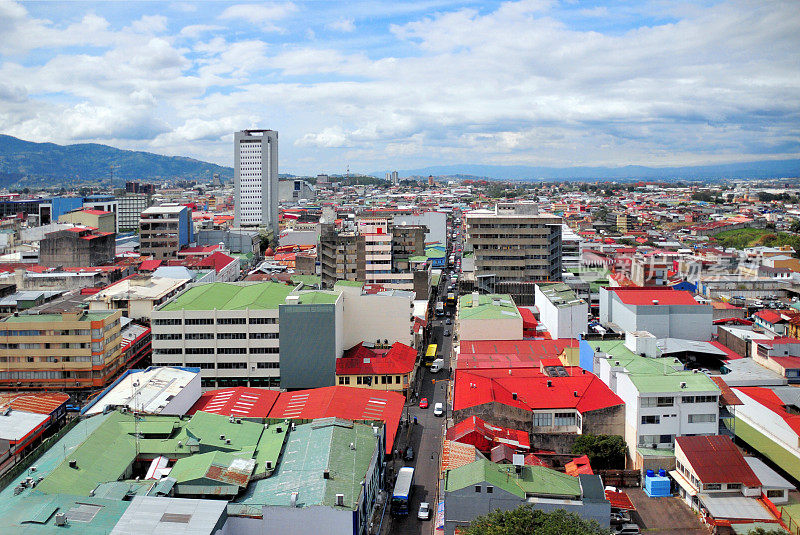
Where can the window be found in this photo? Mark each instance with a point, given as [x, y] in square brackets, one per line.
[262, 350]
[564, 419]
[270, 365]
[489, 489]
[702, 418]
[341, 380]
[231, 365]
[651, 419]
[162, 337]
[166, 321]
[263, 321]
[665, 439]
[201, 365]
[230, 336]
[734, 486]
[713, 486]
[199, 350]
[699, 399]
[666, 401]
[542, 419]
[263, 336]
[477, 488]
[231, 321]
[347, 380]
[200, 321]
[774, 494]
[199, 336]
[230, 350]
[358, 380]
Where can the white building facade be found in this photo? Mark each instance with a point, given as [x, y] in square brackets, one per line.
[256, 178]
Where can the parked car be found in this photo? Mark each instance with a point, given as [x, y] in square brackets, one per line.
[423, 403]
[626, 529]
[448, 321]
[438, 409]
[424, 512]
[408, 455]
[621, 517]
[447, 332]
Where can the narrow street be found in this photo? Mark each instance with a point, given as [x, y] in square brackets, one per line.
[426, 436]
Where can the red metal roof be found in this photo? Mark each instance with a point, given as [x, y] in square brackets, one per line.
[771, 401]
[484, 436]
[769, 316]
[578, 465]
[581, 390]
[149, 265]
[646, 295]
[239, 401]
[476, 354]
[528, 320]
[731, 354]
[716, 459]
[346, 402]
[94, 212]
[40, 403]
[364, 361]
[620, 500]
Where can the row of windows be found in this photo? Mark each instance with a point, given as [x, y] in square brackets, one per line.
[220, 351]
[210, 321]
[210, 336]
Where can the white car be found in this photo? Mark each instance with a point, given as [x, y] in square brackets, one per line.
[438, 409]
[424, 512]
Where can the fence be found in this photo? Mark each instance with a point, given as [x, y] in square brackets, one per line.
[34, 454]
[620, 478]
[791, 523]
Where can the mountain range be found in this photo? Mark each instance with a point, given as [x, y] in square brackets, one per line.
[759, 169]
[25, 163]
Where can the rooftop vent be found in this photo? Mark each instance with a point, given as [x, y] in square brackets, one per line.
[513, 394]
[655, 301]
[549, 384]
[293, 499]
[575, 393]
[238, 420]
[683, 385]
[73, 463]
[222, 437]
[340, 500]
[326, 474]
[269, 465]
[352, 446]
[61, 519]
[227, 441]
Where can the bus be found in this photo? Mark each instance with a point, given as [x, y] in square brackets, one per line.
[430, 354]
[451, 299]
[403, 489]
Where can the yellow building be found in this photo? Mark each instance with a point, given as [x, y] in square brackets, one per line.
[377, 369]
[60, 351]
[99, 219]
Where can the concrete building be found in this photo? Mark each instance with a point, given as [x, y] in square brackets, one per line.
[488, 317]
[561, 311]
[255, 181]
[514, 243]
[99, 219]
[77, 247]
[665, 313]
[342, 255]
[295, 190]
[136, 296]
[480, 487]
[229, 331]
[130, 208]
[378, 368]
[662, 400]
[65, 351]
[164, 230]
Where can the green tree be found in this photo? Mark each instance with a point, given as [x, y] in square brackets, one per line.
[762, 531]
[604, 451]
[525, 520]
[795, 226]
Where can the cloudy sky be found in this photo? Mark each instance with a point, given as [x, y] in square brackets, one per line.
[389, 84]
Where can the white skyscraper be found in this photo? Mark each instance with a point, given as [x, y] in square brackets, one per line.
[256, 178]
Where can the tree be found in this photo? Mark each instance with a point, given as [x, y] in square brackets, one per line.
[762, 531]
[604, 451]
[795, 226]
[525, 520]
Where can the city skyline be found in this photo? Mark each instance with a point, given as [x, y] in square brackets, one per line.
[377, 85]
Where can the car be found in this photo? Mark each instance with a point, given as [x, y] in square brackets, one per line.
[423, 403]
[438, 409]
[621, 517]
[447, 332]
[626, 529]
[424, 512]
[448, 321]
[408, 455]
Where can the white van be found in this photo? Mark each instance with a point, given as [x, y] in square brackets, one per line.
[437, 365]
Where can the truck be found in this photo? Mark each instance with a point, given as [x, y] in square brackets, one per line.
[437, 365]
[403, 488]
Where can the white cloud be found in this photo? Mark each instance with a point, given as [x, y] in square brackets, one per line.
[343, 25]
[264, 16]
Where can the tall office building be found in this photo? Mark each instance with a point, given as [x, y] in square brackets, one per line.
[256, 178]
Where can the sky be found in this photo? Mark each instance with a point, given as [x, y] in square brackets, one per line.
[380, 85]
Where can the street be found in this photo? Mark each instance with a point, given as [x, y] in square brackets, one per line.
[426, 436]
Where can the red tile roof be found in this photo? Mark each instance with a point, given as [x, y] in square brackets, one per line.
[477, 387]
[364, 361]
[716, 459]
[343, 402]
[149, 265]
[484, 436]
[239, 401]
[645, 296]
[578, 465]
[769, 316]
[477, 354]
[771, 401]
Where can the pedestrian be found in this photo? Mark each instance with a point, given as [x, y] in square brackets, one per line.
[415, 420]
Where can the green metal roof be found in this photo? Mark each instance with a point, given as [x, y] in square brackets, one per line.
[435, 251]
[358, 284]
[35, 514]
[536, 480]
[307, 280]
[419, 258]
[229, 296]
[655, 375]
[89, 316]
[312, 448]
[490, 306]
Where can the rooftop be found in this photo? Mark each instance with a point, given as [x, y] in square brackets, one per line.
[242, 402]
[489, 306]
[560, 295]
[148, 390]
[536, 480]
[47, 318]
[510, 353]
[648, 296]
[361, 360]
[716, 459]
[141, 287]
[230, 296]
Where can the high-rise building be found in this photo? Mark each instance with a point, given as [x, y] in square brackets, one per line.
[255, 157]
[514, 243]
[164, 230]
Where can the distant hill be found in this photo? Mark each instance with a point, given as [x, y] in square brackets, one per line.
[761, 169]
[25, 163]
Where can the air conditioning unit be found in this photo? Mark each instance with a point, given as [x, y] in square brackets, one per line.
[61, 519]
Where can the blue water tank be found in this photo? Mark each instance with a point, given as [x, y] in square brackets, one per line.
[657, 486]
[662, 472]
[650, 473]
